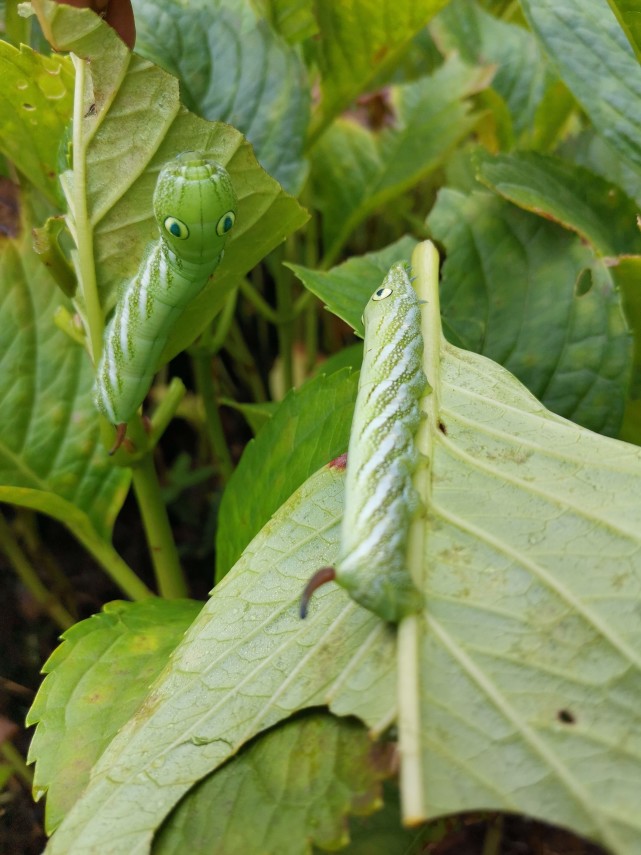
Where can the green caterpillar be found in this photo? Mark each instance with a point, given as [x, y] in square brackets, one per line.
[380, 499]
[195, 208]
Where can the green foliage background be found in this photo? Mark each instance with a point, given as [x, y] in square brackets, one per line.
[508, 134]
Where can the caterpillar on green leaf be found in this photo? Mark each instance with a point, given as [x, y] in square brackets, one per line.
[195, 208]
[380, 499]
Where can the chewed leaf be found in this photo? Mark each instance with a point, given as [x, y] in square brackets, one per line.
[38, 93]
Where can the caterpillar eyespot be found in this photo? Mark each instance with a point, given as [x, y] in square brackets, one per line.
[176, 228]
[380, 499]
[195, 208]
[225, 223]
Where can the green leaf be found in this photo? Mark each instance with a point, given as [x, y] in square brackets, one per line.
[102, 670]
[233, 68]
[522, 75]
[132, 124]
[597, 64]
[37, 96]
[358, 40]
[590, 150]
[627, 14]
[516, 686]
[309, 428]
[357, 170]
[569, 194]
[291, 788]
[293, 19]
[226, 681]
[533, 297]
[346, 288]
[51, 458]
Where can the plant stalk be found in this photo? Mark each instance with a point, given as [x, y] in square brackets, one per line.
[213, 423]
[162, 548]
[30, 579]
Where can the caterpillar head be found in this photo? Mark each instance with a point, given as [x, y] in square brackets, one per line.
[395, 295]
[195, 207]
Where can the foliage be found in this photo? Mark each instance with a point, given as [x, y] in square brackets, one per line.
[352, 131]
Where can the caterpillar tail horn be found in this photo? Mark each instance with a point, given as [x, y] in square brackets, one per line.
[320, 577]
[121, 431]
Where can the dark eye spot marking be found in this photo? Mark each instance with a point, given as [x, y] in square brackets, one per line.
[225, 223]
[176, 228]
[381, 294]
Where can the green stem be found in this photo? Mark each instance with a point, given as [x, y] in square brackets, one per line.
[30, 579]
[213, 424]
[115, 566]
[212, 341]
[245, 366]
[260, 304]
[311, 337]
[162, 548]
[285, 326]
[425, 263]
[15, 759]
[81, 227]
[493, 836]
[165, 411]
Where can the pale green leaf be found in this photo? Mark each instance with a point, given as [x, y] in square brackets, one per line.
[357, 40]
[597, 210]
[132, 124]
[517, 684]
[291, 788]
[233, 68]
[309, 428]
[535, 298]
[95, 681]
[597, 64]
[51, 458]
[36, 100]
[531, 630]
[356, 170]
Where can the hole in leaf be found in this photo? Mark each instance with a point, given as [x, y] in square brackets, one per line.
[566, 717]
